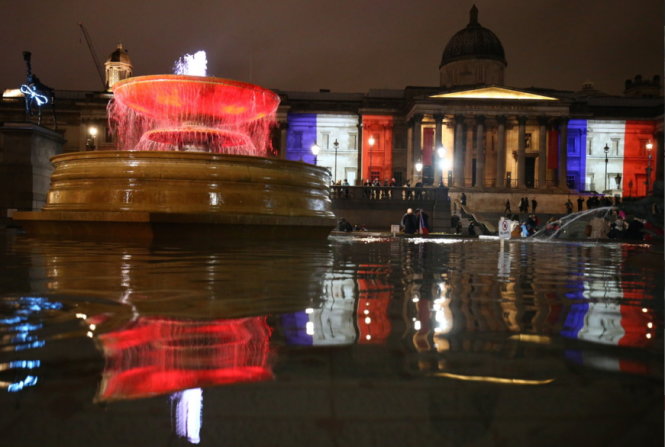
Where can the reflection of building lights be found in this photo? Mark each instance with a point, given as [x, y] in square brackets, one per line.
[309, 328]
[443, 316]
[188, 414]
[541, 339]
[490, 379]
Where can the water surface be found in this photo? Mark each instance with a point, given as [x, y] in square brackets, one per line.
[349, 341]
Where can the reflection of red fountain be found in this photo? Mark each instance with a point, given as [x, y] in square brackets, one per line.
[204, 114]
[157, 356]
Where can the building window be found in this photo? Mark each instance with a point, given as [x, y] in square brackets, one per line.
[353, 138]
[615, 146]
[325, 139]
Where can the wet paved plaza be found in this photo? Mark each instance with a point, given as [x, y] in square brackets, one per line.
[344, 342]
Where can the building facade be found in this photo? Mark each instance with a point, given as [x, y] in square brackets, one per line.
[471, 132]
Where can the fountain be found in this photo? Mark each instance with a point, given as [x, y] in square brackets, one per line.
[193, 160]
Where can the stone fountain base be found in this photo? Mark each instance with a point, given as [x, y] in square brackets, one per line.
[182, 195]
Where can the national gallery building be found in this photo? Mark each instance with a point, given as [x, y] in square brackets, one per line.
[469, 133]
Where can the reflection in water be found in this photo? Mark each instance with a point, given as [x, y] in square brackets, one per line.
[251, 326]
[155, 356]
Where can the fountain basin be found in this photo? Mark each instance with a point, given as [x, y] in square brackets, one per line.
[196, 98]
[126, 194]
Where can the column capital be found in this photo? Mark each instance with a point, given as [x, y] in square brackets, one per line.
[500, 119]
[543, 120]
[459, 119]
[521, 119]
[480, 119]
[438, 117]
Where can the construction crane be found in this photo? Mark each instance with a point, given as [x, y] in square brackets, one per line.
[95, 59]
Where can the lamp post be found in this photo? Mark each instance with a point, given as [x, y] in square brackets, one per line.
[606, 149]
[649, 147]
[371, 142]
[419, 168]
[315, 150]
[91, 143]
[336, 145]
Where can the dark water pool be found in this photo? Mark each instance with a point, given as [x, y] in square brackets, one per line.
[347, 342]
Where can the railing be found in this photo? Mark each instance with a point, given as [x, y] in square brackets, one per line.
[386, 193]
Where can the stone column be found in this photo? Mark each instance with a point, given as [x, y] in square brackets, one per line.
[283, 133]
[438, 142]
[458, 156]
[480, 152]
[500, 181]
[417, 148]
[521, 152]
[563, 153]
[542, 152]
[360, 145]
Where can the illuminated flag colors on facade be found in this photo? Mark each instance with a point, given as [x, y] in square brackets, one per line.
[624, 160]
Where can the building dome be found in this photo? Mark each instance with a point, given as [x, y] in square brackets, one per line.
[473, 42]
[474, 55]
[119, 55]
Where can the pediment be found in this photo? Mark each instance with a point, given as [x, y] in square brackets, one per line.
[493, 92]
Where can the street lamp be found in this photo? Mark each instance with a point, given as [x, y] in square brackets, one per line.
[419, 168]
[649, 147]
[315, 150]
[371, 142]
[441, 152]
[606, 149]
[91, 143]
[336, 145]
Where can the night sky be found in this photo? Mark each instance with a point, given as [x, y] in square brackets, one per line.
[342, 45]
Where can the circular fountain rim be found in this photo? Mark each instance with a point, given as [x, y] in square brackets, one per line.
[183, 155]
[270, 99]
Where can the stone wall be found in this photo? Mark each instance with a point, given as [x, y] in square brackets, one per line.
[25, 167]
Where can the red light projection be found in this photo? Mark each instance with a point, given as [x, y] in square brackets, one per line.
[636, 157]
[156, 356]
[181, 112]
[377, 157]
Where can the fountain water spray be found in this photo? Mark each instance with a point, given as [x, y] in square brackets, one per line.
[192, 64]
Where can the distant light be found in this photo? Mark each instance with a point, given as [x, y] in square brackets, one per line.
[649, 325]
[315, 149]
[649, 335]
[368, 337]
[371, 140]
[368, 320]
[416, 325]
[309, 328]
[92, 131]
[419, 166]
[12, 93]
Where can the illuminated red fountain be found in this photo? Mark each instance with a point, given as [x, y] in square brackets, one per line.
[193, 113]
[194, 160]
